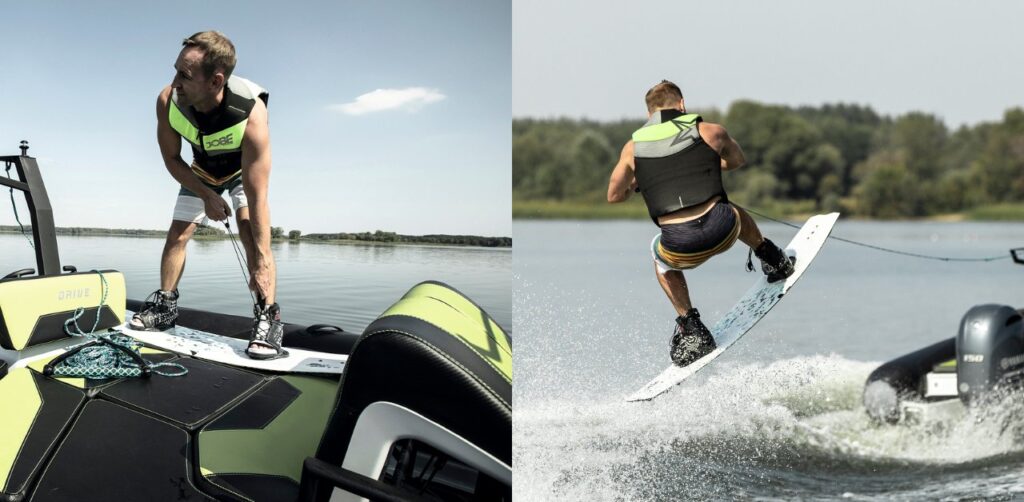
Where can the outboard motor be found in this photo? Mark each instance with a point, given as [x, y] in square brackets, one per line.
[986, 357]
[989, 350]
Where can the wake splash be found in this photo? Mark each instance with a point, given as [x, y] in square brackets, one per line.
[792, 428]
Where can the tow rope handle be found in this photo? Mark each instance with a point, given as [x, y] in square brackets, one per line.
[1016, 254]
[144, 370]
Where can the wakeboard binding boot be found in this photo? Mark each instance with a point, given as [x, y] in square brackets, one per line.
[159, 312]
[691, 340]
[774, 262]
[267, 333]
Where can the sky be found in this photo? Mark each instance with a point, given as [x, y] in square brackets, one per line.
[958, 60]
[384, 115]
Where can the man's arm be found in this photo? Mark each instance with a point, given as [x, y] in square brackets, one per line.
[170, 151]
[623, 180]
[718, 138]
[255, 182]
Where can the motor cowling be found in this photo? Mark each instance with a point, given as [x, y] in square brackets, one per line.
[989, 350]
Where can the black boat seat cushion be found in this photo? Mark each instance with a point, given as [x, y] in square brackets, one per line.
[438, 354]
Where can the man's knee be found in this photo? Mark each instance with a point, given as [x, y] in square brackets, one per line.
[673, 275]
[664, 271]
[244, 229]
[242, 217]
[180, 233]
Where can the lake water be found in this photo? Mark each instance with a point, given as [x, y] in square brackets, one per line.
[345, 285]
[779, 416]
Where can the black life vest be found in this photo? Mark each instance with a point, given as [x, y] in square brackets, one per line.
[216, 137]
[673, 165]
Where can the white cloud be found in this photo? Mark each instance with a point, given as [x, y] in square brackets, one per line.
[408, 99]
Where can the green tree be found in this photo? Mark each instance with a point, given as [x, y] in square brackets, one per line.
[1000, 166]
[888, 189]
[208, 230]
[590, 159]
[922, 137]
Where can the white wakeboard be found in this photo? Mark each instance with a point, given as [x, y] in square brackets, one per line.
[231, 351]
[751, 308]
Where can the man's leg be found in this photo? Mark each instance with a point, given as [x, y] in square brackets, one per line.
[690, 340]
[774, 262]
[172, 262]
[267, 327]
[160, 310]
[249, 244]
[749, 233]
[674, 285]
[245, 234]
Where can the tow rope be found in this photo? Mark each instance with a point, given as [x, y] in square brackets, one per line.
[750, 264]
[242, 263]
[107, 354]
[15, 206]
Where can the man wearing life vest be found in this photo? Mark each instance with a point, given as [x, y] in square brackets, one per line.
[676, 161]
[224, 119]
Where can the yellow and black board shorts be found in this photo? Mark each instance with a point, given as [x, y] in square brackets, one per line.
[681, 246]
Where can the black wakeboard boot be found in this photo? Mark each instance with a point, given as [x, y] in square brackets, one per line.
[691, 340]
[267, 333]
[159, 312]
[774, 262]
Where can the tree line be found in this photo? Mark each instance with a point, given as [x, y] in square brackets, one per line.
[392, 237]
[294, 235]
[833, 157]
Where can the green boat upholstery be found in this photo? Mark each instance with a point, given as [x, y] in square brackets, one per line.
[434, 352]
[36, 411]
[255, 451]
[447, 360]
[33, 309]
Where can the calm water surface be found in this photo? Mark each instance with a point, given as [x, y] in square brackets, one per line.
[778, 416]
[346, 285]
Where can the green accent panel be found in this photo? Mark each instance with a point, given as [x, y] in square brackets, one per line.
[665, 130]
[280, 448]
[181, 124]
[456, 300]
[39, 364]
[18, 388]
[456, 315]
[227, 140]
[945, 367]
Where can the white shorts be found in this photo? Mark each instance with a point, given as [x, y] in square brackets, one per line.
[663, 266]
[190, 207]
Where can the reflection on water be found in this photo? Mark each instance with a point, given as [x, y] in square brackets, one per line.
[347, 285]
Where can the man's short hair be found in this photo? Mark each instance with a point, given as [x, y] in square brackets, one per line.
[664, 94]
[218, 52]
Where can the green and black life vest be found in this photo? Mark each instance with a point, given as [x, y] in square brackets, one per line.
[673, 165]
[216, 137]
